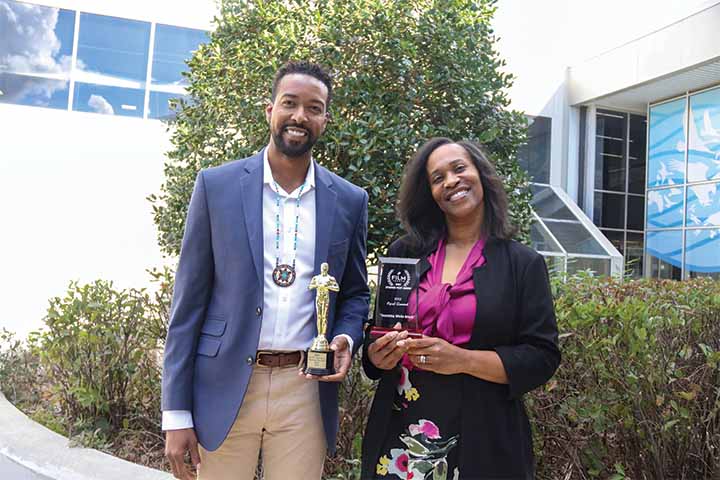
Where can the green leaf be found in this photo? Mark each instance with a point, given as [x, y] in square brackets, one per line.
[441, 470]
[414, 447]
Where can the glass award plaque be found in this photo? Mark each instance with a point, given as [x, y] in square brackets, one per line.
[398, 280]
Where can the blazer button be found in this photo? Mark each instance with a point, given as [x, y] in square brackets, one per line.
[258, 311]
[249, 360]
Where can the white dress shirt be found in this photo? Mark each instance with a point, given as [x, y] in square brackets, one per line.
[288, 312]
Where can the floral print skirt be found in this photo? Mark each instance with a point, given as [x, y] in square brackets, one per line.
[422, 440]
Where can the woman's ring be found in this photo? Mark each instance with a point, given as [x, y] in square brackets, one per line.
[423, 359]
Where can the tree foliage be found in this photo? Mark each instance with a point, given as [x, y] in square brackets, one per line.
[405, 70]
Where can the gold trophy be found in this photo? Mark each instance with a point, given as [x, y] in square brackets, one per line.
[319, 359]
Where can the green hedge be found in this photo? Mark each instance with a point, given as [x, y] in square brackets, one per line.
[637, 394]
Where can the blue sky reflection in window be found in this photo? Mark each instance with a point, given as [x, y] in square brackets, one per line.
[36, 44]
[704, 153]
[173, 47]
[702, 251]
[666, 153]
[112, 53]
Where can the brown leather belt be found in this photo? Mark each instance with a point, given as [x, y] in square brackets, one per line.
[266, 358]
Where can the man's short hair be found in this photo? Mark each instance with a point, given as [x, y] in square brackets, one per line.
[304, 68]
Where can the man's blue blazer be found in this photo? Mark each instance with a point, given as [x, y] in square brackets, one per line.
[218, 298]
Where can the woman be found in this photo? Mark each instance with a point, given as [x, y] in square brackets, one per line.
[449, 405]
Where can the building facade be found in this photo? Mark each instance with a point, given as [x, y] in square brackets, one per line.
[83, 86]
[635, 145]
[624, 145]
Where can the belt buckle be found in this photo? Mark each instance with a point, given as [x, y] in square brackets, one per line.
[259, 356]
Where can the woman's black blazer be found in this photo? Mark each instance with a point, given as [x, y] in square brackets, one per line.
[515, 317]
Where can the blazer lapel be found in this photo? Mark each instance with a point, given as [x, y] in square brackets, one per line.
[325, 201]
[251, 186]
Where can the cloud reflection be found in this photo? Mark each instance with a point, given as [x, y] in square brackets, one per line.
[31, 46]
[100, 105]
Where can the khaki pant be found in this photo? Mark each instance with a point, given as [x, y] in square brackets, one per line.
[281, 415]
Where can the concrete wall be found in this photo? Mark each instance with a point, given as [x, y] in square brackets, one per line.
[72, 200]
[540, 40]
[686, 43]
[29, 451]
[73, 204]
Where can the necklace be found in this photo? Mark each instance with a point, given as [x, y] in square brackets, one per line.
[283, 274]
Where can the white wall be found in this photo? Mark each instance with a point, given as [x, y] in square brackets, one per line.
[539, 40]
[74, 185]
[72, 204]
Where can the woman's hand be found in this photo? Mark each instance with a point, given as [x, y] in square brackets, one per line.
[384, 352]
[439, 356]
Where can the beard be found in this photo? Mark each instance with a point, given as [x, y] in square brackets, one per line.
[291, 149]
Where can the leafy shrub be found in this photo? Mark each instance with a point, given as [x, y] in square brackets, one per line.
[638, 392]
[95, 352]
[93, 371]
[636, 396]
[356, 394]
[19, 371]
[404, 70]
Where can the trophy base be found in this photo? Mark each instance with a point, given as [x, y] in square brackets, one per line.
[319, 362]
[377, 332]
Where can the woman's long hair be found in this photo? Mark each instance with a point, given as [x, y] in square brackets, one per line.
[421, 217]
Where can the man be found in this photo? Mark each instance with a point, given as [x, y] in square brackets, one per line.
[257, 231]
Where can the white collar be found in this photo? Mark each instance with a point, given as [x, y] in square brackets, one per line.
[269, 180]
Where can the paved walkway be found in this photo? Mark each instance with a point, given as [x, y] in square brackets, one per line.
[12, 471]
[29, 451]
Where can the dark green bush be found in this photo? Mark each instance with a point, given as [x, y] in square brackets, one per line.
[638, 392]
[98, 356]
[405, 70]
[636, 396]
[93, 371]
[19, 371]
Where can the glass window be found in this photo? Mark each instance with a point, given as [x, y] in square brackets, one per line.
[664, 249]
[159, 106]
[574, 237]
[617, 238]
[634, 244]
[665, 208]
[599, 266]
[610, 150]
[113, 51]
[173, 47]
[666, 155]
[33, 91]
[704, 136]
[703, 205]
[609, 210]
[636, 151]
[534, 156]
[36, 44]
[635, 213]
[702, 252]
[541, 239]
[555, 264]
[619, 167]
[611, 124]
[127, 102]
[549, 205]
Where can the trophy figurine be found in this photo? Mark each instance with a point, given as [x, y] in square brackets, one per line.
[319, 358]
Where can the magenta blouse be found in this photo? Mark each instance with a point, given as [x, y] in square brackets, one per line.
[448, 310]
